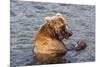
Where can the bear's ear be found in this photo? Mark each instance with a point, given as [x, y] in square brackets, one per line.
[58, 14]
[48, 19]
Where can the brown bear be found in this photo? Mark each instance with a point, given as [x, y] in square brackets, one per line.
[49, 44]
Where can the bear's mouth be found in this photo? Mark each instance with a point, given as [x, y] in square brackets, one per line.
[68, 34]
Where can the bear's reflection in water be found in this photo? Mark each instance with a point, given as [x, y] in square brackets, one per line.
[49, 58]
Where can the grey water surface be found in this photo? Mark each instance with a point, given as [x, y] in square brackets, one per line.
[27, 17]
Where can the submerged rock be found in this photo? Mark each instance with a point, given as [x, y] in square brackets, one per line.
[80, 45]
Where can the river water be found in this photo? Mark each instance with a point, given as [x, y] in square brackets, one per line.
[27, 17]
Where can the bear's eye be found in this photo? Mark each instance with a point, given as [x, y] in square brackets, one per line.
[63, 26]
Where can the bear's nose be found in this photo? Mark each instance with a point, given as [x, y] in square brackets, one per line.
[70, 33]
